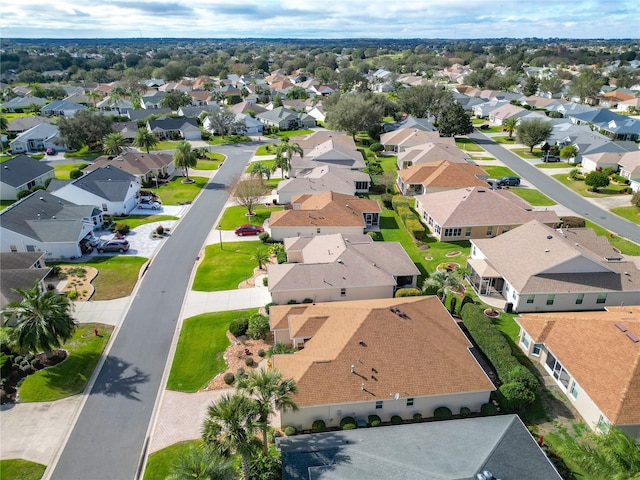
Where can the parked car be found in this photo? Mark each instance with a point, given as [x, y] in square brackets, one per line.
[50, 151]
[509, 181]
[248, 230]
[113, 246]
[151, 205]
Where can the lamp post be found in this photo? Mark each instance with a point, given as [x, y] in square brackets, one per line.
[220, 230]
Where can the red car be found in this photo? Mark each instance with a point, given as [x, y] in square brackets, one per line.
[248, 230]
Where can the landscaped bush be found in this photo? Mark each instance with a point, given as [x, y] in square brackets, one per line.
[376, 147]
[268, 306]
[396, 420]
[262, 353]
[398, 201]
[387, 199]
[318, 426]
[403, 209]
[249, 362]
[465, 412]
[415, 226]
[240, 374]
[574, 173]
[265, 282]
[442, 413]
[229, 378]
[292, 302]
[523, 375]
[514, 396]
[374, 420]
[407, 292]
[258, 327]
[417, 417]
[280, 349]
[572, 222]
[307, 300]
[264, 237]
[346, 421]
[122, 228]
[72, 295]
[621, 179]
[349, 426]
[75, 174]
[160, 230]
[488, 409]
[290, 431]
[239, 326]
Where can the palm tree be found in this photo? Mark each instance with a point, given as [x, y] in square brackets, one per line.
[113, 143]
[42, 319]
[145, 139]
[510, 125]
[203, 463]
[288, 150]
[261, 257]
[230, 427]
[269, 389]
[281, 163]
[185, 158]
[444, 282]
[93, 96]
[261, 170]
[611, 454]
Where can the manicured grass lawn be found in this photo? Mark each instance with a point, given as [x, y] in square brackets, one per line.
[235, 216]
[136, 220]
[84, 153]
[524, 153]
[224, 269]
[631, 213]
[482, 158]
[166, 145]
[18, 469]
[5, 203]
[580, 188]
[625, 246]
[268, 163]
[555, 165]
[62, 171]
[160, 464]
[268, 149]
[293, 133]
[534, 197]
[504, 139]
[468, 145]
[491, 129]
[498, 171]
[71, 376]
[388, 163]
[175, 192]
[211, 163]
[203, 340]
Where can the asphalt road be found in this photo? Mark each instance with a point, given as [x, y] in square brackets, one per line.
[558, 192]
[109, 436]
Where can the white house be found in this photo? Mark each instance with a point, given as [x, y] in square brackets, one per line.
[37, 139]
[22, 173]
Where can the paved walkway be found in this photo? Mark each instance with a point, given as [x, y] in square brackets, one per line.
[203, 302]
[109, 312]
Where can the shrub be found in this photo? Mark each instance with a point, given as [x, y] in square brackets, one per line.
[307, 300]
[416, 227]
[376, 147]
[292, 302]
[417, 417]
[160, 230]
[387, 201]
[240, 374]
[621, 179]
[396, 420]
[75, 174]
[466, 299]
[258, 327]
[488, 409]
[349, 426]
[374, 420]
[522, 374]
[280, 349]
[347, 421]
[72, 295]
[635, 200]
[264, 237]
[465, 412]
[573, 174]
[290, 431]
[265, 282]
[249, 362]
[374, 168]
[442, 413]
[262, 353]
[514, 396]
[269, 305]
[407, 292]
[22, 193]
[318, 426]
[399, 201]
[122, 228]
[229, 378]
[55, 270]
[239, 326]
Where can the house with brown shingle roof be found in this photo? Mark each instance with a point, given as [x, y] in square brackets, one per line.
[325, 213]
[431, 152]
[403, 138]
[144, 166]
[330, 268]
[324, 178]
[440, 176]
[538, 269]
[325, 147]
[604, 387]
[472, 212]
[396, 356]
[630, 169]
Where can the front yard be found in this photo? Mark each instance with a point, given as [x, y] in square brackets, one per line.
[535, 198]
[630, 213]
[177, 193]
[498, 171]
[581, 188]
[235, 216]
[468, 145]
[225, 268]
[136, 220]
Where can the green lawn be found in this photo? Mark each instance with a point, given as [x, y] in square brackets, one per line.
[235, 216]
[226, 268]
[555, 165]
[491, 129]
[62, 171]
[136, 220]
[17, 469]
[211, 163]
[625, 246]
[160, 463]
[580, 188]
[534, 197]
[504, 139]
[388, 162]
[166, 145]
[468, 145]
[293, 133]
[5, 203]
[630, 213]
[498, 171]
[524, 153]
[175, 192]
[268, 163]
[71, 376]
[268, 149]
[203, 340]
[84, 153]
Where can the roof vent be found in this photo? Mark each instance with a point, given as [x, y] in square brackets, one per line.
[42, 198]
[549, 237]
[546, 250]
[6, 168]
[632, 337]
[621, 327]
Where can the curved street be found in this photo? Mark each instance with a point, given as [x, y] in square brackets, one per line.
[558, 192]
[110, 434]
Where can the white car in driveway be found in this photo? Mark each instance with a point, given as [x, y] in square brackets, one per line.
[150, 205]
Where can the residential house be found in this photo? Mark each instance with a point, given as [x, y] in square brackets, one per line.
[62, 108]
[112, 189]
[385, 357]
[137, 115]
[498, 115]
[613, 98]
[604, 387]
[399, 140]
[611, 124]
[286, 119]
[494, 447]
[476, 212]
[317, 112]
[587, 142]
[247, 108]
[152, 101]
[324, 178]
[336, 267]
[43, 222]
[630, 169]
[536, 269]
[128, 130]
[20, 270]
[440, 176]
[600, 161]
[325, 147]
[22, 124]
[18, 104]
[186, 128]
[431, 152]
[246, 125]
[37, 139]
[200, 98]
[410, 122]
[22, 173]
[144, 166]
[628, 105]
[324, 213]
[482, 110]
[195, 112]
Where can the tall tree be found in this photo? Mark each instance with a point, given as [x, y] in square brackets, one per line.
[443, 283]
[270, 390]
[260, 170]
[533, 132]
[145, 139]
[551, 85]
[42, 319]
[249, 193]
[510, 125]
[587, 84]
[202, 462]
[185, 158]
[175, 99]
[4, 124]
[425, 100]
[230, 426]
[353, 113]
[287, 150]
[224, 122]
[93, 96]
[454, 121]
[114, 143]
[84, 128]
[530, 86]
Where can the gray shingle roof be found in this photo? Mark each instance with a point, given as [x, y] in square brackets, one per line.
[112, 184]
[22, 169]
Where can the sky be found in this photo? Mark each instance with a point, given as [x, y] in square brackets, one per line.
[451, 19]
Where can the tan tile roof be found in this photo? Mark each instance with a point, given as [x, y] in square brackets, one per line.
[445, 174]
[505, 111]
[601, 358]
[604, 157]
[135, 163]
[481, 206]
[420, 355]
[411, 136]
[432, 152]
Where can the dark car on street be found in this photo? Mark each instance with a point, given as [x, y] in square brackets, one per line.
[248, 230]
[113, 246]
[509, 181]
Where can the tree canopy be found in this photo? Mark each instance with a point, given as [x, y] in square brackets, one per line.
[84, 128]
[533, 132]
[353, 113]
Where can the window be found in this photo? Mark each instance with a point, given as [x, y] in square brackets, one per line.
[13, 248]
[362, 185]
[438, 229]
[531, 298]
[30, 248]
[551, 299]
[409, 402]
[537, 347]
[104, 207]
[343, 292]
[602, 298]
[31, 184]
[317, 230]
[575, 389]
[430, 221]
[525, 340]
[579, 299]
[467, 232]
[452, 232]
[378, 404]
[489, 231]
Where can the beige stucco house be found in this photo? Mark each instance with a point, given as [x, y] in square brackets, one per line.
[384, 357]
[399, 140]
[323, 178]
[325, 147]
[431, 152]
[440, 176]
